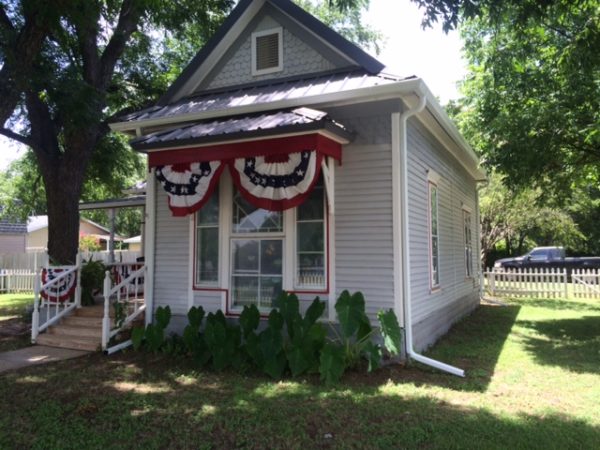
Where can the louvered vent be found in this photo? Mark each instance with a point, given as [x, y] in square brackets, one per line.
[267, 51]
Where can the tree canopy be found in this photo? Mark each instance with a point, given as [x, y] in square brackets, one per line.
[67, 66]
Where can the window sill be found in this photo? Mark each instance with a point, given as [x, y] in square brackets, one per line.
[435, 290]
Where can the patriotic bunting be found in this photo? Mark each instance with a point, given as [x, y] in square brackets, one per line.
[189, 185]
[273, 182]
[61, 291]
[277, 183]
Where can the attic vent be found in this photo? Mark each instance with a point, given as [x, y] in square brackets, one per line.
[267, 51]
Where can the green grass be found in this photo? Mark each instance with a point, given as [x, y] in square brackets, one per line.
[13, 313]
[533, 378]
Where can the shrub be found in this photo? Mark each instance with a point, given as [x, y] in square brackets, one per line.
[92, 279]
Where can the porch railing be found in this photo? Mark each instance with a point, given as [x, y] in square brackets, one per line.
[54, 296]
[124, 291]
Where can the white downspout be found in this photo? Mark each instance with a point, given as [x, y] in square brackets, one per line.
[150, 237]
[406, 291]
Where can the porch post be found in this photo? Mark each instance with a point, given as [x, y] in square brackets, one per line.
[111, 239]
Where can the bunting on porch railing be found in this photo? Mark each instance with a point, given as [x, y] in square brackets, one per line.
[189, 185]
[63, 289]
[277, 182]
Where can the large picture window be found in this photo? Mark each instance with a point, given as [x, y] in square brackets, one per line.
[434, 235]
[207, 242]
[468, 244]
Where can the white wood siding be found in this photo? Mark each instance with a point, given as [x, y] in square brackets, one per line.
[363, 209]
[434, 311]
[171, 257]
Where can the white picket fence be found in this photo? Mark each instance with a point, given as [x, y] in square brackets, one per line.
[34, 260]
[543, 283]
[20, 280]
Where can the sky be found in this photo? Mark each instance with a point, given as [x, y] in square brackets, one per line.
[409, 50]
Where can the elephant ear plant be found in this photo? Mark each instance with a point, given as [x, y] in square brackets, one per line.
[154, 334]
[92, 279]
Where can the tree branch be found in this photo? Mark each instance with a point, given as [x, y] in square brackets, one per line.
[129, 16]
[16, 137]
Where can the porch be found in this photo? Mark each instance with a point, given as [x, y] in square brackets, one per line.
[60, 319]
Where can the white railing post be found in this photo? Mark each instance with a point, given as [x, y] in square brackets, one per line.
[566, 281]
[35, 317]
[492, 281]
[78, 262]
[106, 317]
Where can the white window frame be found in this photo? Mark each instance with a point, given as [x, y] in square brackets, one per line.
[468, 241]
[434, 283]
[257, 34]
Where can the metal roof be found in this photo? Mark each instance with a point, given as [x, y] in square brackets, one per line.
[128, 202]
[263, 93]
[12, 227]
[351, 50]
[243, 127]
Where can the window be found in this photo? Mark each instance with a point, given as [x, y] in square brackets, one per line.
[434, 234]
[310, 241]
[468, 244]
[267, 51]
[207, 242]
[256, 255]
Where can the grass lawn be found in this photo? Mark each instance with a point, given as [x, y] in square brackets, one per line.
[533, 381]
[14, 321]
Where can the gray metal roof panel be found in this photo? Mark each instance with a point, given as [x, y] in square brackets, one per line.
[7, 227]
[265, 124]
[264, 93]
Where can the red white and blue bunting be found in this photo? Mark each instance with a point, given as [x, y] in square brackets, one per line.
[63, 289]
[189, 186]
[273, 182]
[277, 182]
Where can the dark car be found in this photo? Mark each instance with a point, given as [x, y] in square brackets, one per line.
[548, 258]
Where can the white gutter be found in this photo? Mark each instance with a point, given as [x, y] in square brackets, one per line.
[149, 245]
[406, 291]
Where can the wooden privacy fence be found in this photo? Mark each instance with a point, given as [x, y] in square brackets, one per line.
[20, 280]
[543, 283]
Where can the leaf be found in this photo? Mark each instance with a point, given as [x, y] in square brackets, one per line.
[190, 338]
[372, 352]
[154, 337]
[163, 316]
[275, 365]
[313, 313]
[137, 337]
[195, 316]
[249, 319]
[332, 366]
[289, 307]
[275, 320]
[390, 331]
[351, 313]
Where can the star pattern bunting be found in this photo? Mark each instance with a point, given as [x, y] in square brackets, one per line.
[61, 291]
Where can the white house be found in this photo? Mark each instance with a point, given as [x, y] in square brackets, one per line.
[286, 158]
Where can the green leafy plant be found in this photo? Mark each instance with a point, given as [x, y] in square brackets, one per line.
[223, 342]
[92, 279]
[154, 334]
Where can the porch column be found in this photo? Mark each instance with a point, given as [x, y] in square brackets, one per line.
[111, 239]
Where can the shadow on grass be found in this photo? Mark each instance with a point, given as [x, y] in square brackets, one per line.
[140, 404]
[473, 344]
[570, 343]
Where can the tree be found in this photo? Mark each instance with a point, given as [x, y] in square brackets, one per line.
[68, 65]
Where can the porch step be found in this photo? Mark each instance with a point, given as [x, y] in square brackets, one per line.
[77, 343]
[96, 311]
[76, 330]
[82, 321]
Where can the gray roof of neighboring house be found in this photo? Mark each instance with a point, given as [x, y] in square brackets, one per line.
[7, 227]
[263, 93]
[359, 56]
[35, 223]
[228, 128]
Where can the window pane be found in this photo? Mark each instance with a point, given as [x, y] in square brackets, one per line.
[208, 255]
[250, 219]
[271, 257]
[312, 208]
[270, 288]
[434, 218]
[311, 269]
[311, 237]
[209, 213]
[244, 290]
[245, 256]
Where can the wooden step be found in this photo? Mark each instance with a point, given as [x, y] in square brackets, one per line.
[77, 343]
[84, 321]
[76, 331]
[93, 311]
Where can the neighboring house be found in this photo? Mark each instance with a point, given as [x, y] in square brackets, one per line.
[134, 243]
[37, 233]
[286, 158]
[12, 237]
